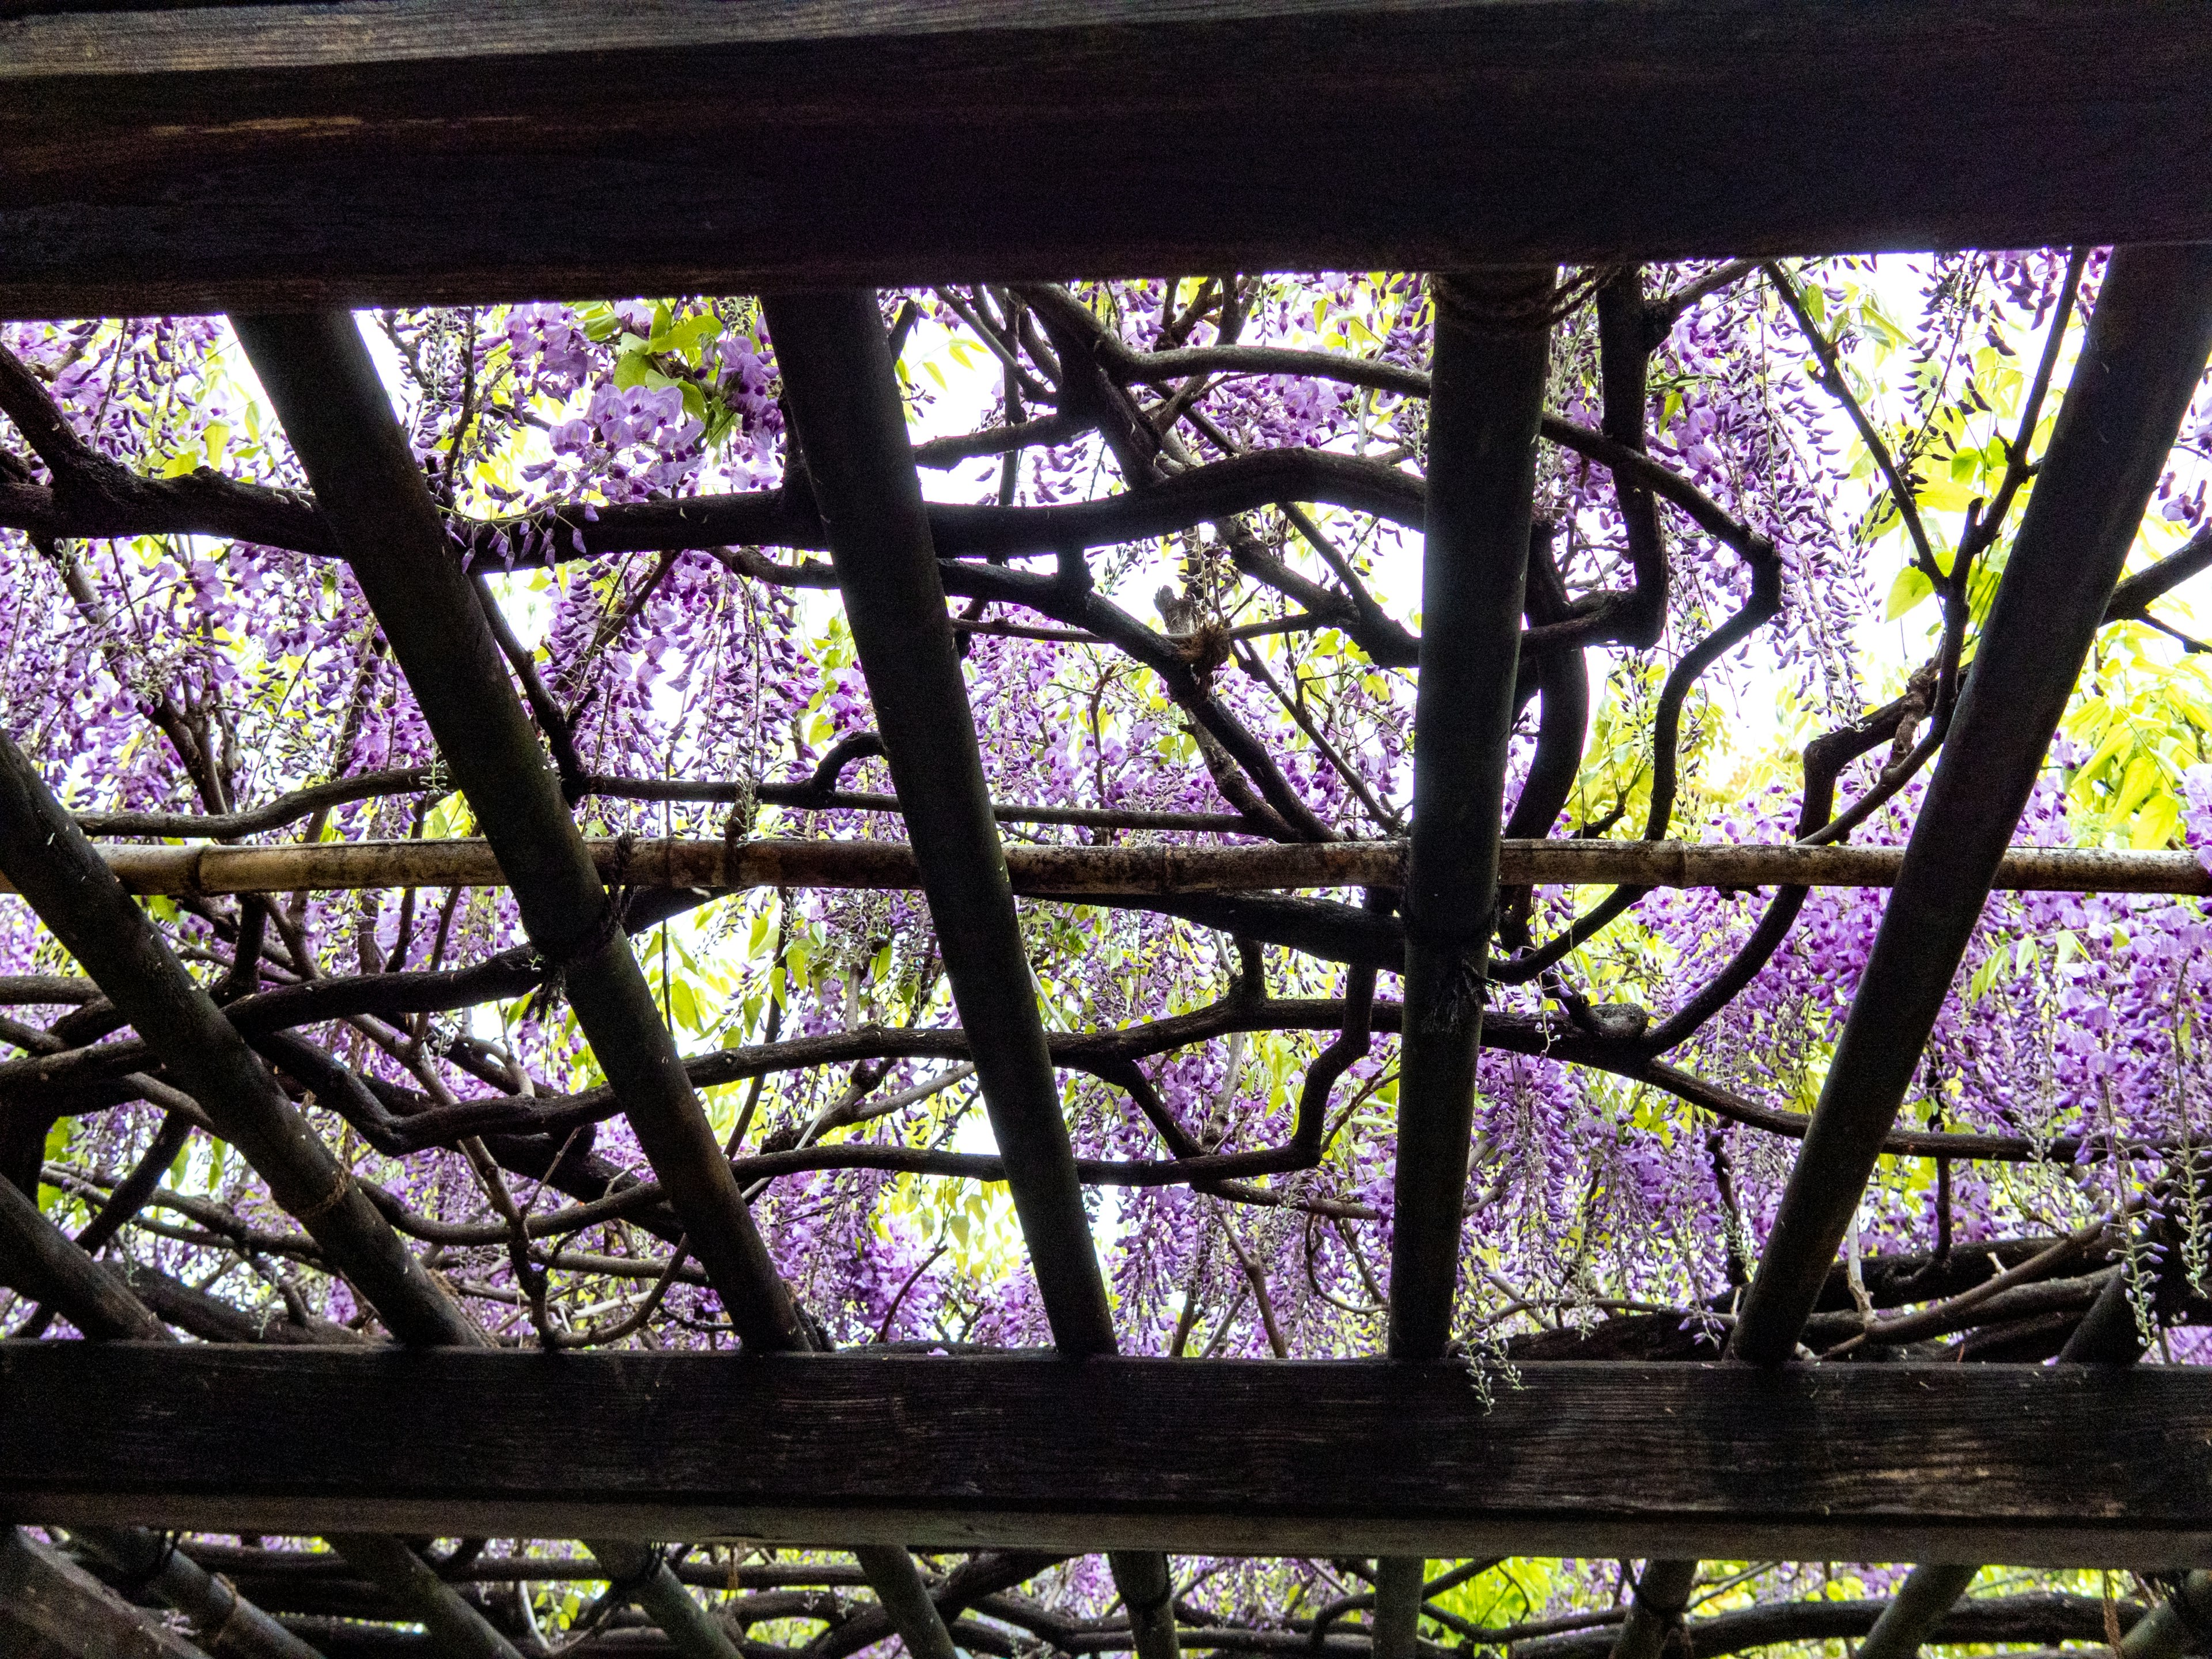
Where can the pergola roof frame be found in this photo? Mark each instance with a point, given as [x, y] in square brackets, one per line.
[1471, 93]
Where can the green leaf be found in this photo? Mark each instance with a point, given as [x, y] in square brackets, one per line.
[689, 338]
[683, 1005]
[1910, 587]
[2158, 824]
[2135, 784]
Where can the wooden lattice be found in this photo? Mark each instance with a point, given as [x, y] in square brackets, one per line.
[135, 180]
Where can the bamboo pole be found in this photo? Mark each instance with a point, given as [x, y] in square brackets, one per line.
[1049, 871]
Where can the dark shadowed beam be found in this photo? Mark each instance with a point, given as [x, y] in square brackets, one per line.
[1655, 1611]
[1929, 1592]
[461, 1631]
[148, 1563]
[848, 416]
[2023, 1464]
[1492, 341]
[2144, 353]
[43, 1264]
[319, 376]
[410, 151]
[1492, 345]
[335, 414]
[655, 1588]
[47, 1598]
[51, 864]
[849, 419]
[2176, 1625]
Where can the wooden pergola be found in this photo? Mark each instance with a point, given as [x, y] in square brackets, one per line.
[283, 163]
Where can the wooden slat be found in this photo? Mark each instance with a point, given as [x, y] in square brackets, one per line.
[2142, 360]
[416, 151]
[849, 419]
[2012, 1464]
[51, 1606]
[1132, 869]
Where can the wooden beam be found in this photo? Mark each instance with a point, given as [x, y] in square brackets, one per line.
[1928, 1592]
[2020, 1464]
[2141, 362]
[318, 374]
[337, 416]
[411, 151]
[1493, 354]
[43, 1264]
[849, 417]
[147, 1563]
[393, 1567]
[1132, 869]
[55, 1607]
[79, 899]
[655, 1588]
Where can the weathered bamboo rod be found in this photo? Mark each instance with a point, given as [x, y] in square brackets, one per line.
[1042, 872]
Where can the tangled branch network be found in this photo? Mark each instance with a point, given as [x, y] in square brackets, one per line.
[1179, 522]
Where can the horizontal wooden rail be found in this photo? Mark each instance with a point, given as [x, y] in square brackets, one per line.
[231, 157]
[2072, 1465]
[1122, 871]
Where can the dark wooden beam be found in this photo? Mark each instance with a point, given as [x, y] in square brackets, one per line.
[849, 419]
[1493, 351]
[2017, 1464]
[392, 1565]
[2141, 362]
[147, 1563]
[1929, 1592]
[81, 902]
[420, 150]
[43, 1264]
[318, 374]
[51, 1606]
[850, 422]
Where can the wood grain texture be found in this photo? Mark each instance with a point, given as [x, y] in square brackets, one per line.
[418, 150]
[49, 1605]
[1131, 870]
[2014, 1464]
